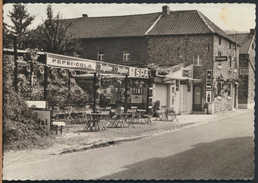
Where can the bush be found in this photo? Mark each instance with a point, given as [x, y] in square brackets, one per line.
[19, 122]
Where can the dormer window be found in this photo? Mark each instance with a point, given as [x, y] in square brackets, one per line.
[126, 56]
[100, 56]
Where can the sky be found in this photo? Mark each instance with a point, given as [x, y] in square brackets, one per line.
[234, 17]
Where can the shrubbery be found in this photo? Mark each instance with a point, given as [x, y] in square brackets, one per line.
[20, 127]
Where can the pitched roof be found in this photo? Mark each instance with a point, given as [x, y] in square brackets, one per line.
[245, 40]
[176, 23]
[113, 26]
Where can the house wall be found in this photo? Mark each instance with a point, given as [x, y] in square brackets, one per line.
[113, 49]
[181, 49]
[224, 104]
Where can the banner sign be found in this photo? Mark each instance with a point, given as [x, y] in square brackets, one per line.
[138, 72]
[186, 73]
[221, 58]
[244, 72]
[112, 69]
[67, 62]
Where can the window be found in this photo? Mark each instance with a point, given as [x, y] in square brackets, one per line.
[219, 41]
[219, 53]
[182, 82]
[230, 61]
[229, 45]
[126, 56]
[198, 60]
[100, 56]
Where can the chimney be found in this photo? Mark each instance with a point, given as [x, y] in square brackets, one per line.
[165, 10]
[252, 32]
[84, 15]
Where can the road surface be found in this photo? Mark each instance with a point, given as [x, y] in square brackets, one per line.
[216, 150]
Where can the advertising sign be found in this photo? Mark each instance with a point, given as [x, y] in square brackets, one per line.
[136, 99]
[105, 68]
[112, 69]
[244, 71]
[221, 58]
[186, 73]
[59, 61]
[138, 72]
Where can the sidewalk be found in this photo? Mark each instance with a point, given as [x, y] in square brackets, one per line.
[73, 140]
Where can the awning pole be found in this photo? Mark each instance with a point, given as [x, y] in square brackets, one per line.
[45, 82]
[94, 92]
[126, 83]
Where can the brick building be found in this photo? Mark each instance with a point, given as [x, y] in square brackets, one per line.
[168, 38]
[246, 65]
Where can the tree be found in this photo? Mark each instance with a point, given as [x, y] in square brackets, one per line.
[21, 19]
[52, 36]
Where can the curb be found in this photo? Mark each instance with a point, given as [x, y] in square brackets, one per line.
[100, 144]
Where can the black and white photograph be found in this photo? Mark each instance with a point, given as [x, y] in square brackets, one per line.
[128, 91]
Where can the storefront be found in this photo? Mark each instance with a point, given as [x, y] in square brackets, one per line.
[174, 90]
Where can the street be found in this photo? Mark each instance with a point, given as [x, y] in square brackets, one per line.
[216, 150]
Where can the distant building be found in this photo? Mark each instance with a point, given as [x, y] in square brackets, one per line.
[246, 74]
[205, 56]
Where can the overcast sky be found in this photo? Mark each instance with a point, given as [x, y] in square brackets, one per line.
[238, 17]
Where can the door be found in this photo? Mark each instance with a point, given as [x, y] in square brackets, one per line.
[197, 98]
[183, 98]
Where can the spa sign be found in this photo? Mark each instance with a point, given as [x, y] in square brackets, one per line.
[138, 72]
[66, 62]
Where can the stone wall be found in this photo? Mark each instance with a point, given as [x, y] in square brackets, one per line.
[113, 49]
[224, 103]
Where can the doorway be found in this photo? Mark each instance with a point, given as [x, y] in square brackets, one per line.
[197, 98]
[183, 98]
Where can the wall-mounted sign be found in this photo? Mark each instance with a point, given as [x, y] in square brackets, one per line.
[208, 96]
[221, 58]
[244, 72]
[136, 99]
[208, 78]
[186, 73]
[138, 72]
[61, 61]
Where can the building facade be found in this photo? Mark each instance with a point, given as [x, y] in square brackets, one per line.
[186, 39]
[246, 68]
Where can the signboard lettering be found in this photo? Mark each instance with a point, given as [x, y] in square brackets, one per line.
[69, 62]
[122, 70]
[105, 68]
[221, 58]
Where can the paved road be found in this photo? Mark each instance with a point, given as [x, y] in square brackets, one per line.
[216, 150]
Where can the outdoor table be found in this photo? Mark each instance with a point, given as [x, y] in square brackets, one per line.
[165, 113]
[119, 120]
[58, 124]
[138, 115]
[95, 123]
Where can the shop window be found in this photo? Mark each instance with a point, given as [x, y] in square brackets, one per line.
[198, 60]
[230, 61]
[100, 56]
[126, 56]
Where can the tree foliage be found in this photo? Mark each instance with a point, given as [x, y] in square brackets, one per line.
[21, 20]
[52, 36]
